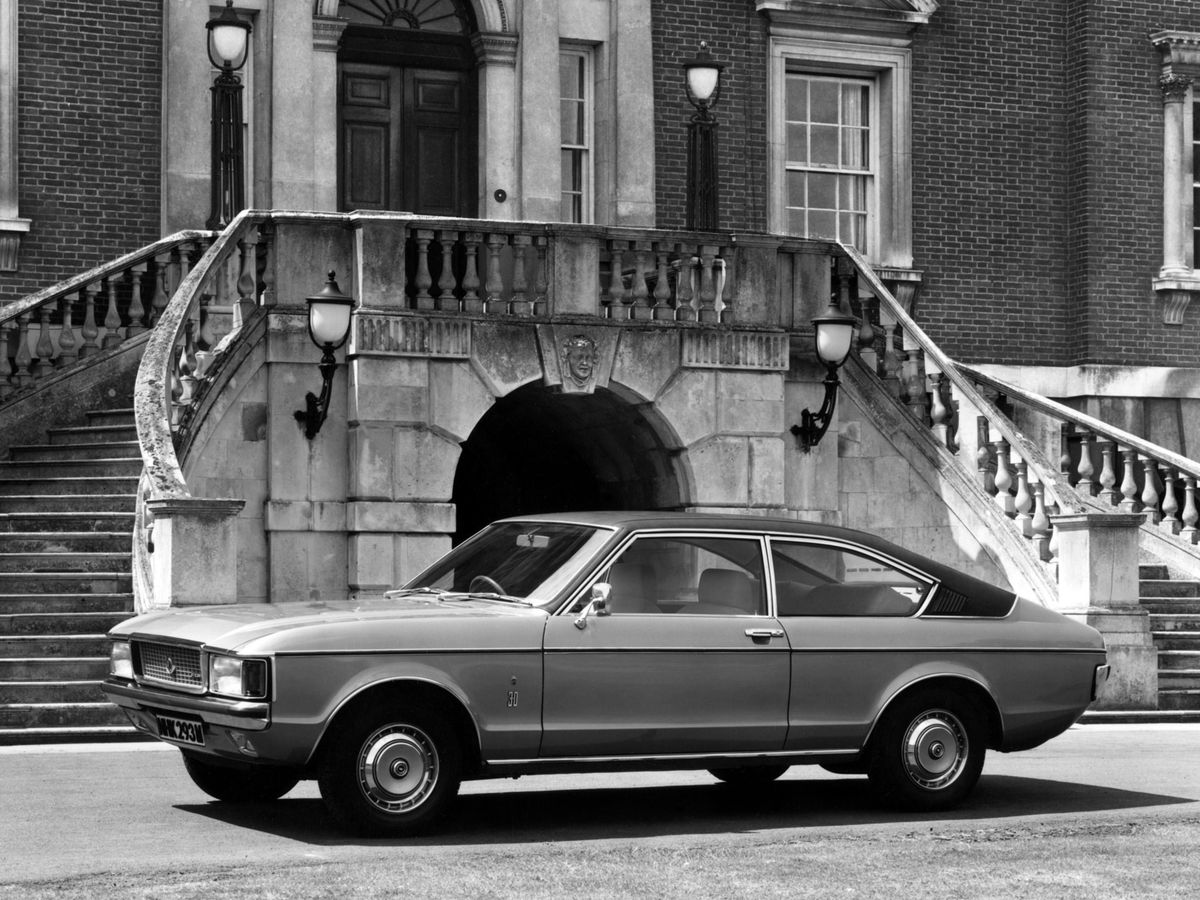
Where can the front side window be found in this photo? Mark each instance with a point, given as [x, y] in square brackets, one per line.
[688, 575]
[829, 182]
[575, 102]
[814, 579]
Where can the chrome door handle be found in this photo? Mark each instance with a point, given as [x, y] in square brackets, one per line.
[761, 633]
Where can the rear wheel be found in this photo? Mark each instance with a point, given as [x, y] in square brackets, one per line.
[391, 773]
[748, 776]
[238, 784]
[928, 751]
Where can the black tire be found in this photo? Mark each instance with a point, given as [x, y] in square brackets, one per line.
[390, 773]
[928, 751]
[239, 784]
[748, 776]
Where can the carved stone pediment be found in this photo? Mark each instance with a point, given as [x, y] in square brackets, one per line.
[878, 16]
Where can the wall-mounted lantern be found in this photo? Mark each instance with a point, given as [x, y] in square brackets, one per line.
[834, 331]
[328, 326]
[703, 81]
[228, 45]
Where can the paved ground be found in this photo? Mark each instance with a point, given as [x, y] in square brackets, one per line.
[69, 815]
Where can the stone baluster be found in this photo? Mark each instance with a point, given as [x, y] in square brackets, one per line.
[661, 310]
[541, 278]
[892, 365]
[264, 264]
[1170, 503]
[866, 334]
[471, 303]
[1023, 501]
[938, 413]
[1039, 524]
[685, 311]
[137, 309]
[1108, 473]
[520, 299]
[90, 332]
[1150, 495]
[708, 288]
[1129, 501]
[446, 301]
[112, 317]
[68, 343]
[176, 387]
[6, 372]
[422, 282]
[1189, 531]
[247, 280]
[187, 364]
[1004, 479]
[1085, 470]
[493, 285]
[614, 300]
[639, 290]
[1064, 459]
[162, 287]
[205, 338]
[23, 359]
[917, 400]
[984, 457]
[45, 344]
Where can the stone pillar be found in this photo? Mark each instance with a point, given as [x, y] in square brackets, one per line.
[194, 560]
[497, 53]
[327, 31]
[538, 198]
[1176, 181]
[1098, 582]
[634, 92]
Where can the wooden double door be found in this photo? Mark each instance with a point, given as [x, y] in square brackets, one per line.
[407, 139]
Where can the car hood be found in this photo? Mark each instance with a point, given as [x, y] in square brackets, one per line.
[345, 626]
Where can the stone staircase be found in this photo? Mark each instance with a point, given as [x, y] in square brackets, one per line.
[1174, 606]
[66, 523]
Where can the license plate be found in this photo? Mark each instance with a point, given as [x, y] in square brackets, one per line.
[181, 731]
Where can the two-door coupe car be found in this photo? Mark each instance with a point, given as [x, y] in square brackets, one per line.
[610, 641]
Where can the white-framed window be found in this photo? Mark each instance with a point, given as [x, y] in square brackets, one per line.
[576, 112]
[840, 134]
[12, 226]
[829, 186]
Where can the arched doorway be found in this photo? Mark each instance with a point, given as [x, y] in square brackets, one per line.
[407, 107]
[538, 450]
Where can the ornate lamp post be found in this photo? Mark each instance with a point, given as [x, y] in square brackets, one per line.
[834, 332]
[228, 41]
[328, 327]
[703, 81]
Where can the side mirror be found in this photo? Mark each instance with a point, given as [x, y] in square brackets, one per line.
[598, 605]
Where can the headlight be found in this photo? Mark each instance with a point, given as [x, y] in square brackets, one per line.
[234, 677]
[120, 660]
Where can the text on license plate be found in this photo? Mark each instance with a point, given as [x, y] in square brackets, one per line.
[185, 731]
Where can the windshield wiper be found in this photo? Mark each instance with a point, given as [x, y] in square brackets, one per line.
[492, 595]
[408, 592]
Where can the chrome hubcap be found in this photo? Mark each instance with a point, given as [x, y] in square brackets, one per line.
[935, 749]
[397, 768]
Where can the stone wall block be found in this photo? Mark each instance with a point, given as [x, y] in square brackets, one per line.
[688, 404]
[766, 472]
[646, 360]
[371, 562]
[424, 465]
[507, 354]
[379, 252]
[391, 390]
[750, 402]
[721, 467]
[372, 449]
[458, 398]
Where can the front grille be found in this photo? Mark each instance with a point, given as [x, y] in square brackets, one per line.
[170, 664]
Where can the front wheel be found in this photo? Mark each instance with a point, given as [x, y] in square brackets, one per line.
[928, 751]
[238, 784]
[748, 776]
[391, 773]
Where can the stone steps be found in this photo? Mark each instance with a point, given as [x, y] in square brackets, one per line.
[1174, 608]
[66, 532]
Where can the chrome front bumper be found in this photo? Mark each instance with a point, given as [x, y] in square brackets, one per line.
[1100, 681]
[243, 715]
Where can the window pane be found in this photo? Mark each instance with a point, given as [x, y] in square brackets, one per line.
[572, 122]
[855, 109]
[822, 191]
[796, 222]
[797, 99]
[811, 580]
[797, 143]
[825, 145]
[822, 224]
[824, 101]
[854, 148]
[795, 189]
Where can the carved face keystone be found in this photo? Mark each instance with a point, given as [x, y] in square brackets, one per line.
[579, 359]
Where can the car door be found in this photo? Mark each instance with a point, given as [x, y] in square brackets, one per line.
[683, 659]
[848, 612]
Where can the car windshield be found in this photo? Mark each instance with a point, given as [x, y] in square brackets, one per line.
[530, 561]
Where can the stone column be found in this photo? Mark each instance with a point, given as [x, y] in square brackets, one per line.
[1176, 181]
[194, 560]
[634, 92]
[497, 53]
[327, 32]
[1098, 582]
[541, 139]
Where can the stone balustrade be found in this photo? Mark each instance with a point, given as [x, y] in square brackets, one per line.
[84, 316]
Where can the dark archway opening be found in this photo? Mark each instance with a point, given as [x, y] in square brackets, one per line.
[539, 451]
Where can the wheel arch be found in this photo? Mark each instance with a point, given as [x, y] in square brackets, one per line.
[970, 687]
[421, 692]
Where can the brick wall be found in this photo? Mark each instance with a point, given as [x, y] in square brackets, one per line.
[89, 114]
[737, 37]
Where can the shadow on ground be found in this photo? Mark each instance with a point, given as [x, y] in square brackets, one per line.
[520, 816]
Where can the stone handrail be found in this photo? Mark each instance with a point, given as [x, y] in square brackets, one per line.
[58, 326]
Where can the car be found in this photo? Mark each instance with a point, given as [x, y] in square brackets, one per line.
[612, 641]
